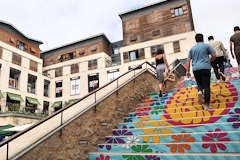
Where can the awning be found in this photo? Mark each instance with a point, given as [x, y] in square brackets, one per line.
[1, 95]
[15, 97]
[72, 101]
[33, 101]
[19, 128]
[6, 133]
[56, 104]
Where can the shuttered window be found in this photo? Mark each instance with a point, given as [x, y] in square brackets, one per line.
[16, 59]
[33, 66]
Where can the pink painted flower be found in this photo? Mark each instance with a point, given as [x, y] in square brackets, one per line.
[215, 137]
[102, 157]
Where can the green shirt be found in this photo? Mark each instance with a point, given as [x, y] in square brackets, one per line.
[236, 41]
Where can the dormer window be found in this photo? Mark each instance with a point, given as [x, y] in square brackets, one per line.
[93, 49]
[178, 11]
[21, 45]
[81, 52]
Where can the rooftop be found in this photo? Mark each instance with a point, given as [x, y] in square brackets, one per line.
[19, 32]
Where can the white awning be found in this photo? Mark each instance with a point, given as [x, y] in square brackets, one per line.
[19, 128]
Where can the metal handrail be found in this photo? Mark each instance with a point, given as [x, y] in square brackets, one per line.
[7, 141]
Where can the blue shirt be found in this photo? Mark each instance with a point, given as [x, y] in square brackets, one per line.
[200, 56]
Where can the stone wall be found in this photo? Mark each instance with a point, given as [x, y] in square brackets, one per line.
[94, 126]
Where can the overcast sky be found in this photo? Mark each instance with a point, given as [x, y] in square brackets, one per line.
[57, 22]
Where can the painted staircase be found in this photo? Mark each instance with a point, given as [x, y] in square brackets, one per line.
[177, 127]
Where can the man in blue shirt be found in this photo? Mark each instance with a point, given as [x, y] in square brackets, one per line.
[201, 66]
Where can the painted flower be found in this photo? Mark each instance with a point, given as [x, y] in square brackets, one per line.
[108, 147]
[114, 140]
[122, 132]
[235, 118]
[127, 120]
[143, 111]
[138, 149]
[102, 157]
[143, 122]
[156, 132]
[215, 137]
[131, 140]
[151, 157]
[178, 139]
[180, 110]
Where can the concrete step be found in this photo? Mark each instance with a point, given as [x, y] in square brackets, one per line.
[204, 117]
[165, 128]
[189, 101]
[165, 138]
[178, 145]
[161, 110]
[162, 156]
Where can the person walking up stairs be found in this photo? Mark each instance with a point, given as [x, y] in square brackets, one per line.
[201, 65]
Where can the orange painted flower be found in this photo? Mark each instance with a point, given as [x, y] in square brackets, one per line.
[184, 109]
[179, 139]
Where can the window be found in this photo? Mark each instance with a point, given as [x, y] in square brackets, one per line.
[113, 74]
[11, 39]
[93, 82]
[14, 78]
[75, 86]
[92, 64]
[81, 52]
[33, 66]
[176, 47]
[16, 59]
[134, 55]
[116, 50]
[134, 66]
[178, 11]
[74, 68]
[93, 49]
[31, 87]
[1, 52]
[71, 55]
[133, 38]
[21, 45]
[59, 89]
[45, 107]
[58, 72]
[154, 49]
[46, 88]
[155, 33]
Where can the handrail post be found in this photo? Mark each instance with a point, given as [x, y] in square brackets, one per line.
[95, 97]
[134, 76]
[7, 152]
[61, 123]
[117, 86]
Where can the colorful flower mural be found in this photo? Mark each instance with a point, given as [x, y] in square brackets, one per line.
[102, 157]
[180, 147]
[215, 137]
[235, 117]
[180, 109]
[156, 132]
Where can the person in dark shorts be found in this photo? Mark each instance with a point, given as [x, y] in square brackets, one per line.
[201, 66]
[235, 40]
[218, 63]
[161, 64]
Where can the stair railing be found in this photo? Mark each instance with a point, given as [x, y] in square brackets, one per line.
[37, 133]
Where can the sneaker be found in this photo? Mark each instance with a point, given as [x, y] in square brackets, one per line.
[160, 94]
[200, 97]
[207, 106]
[222, 76]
